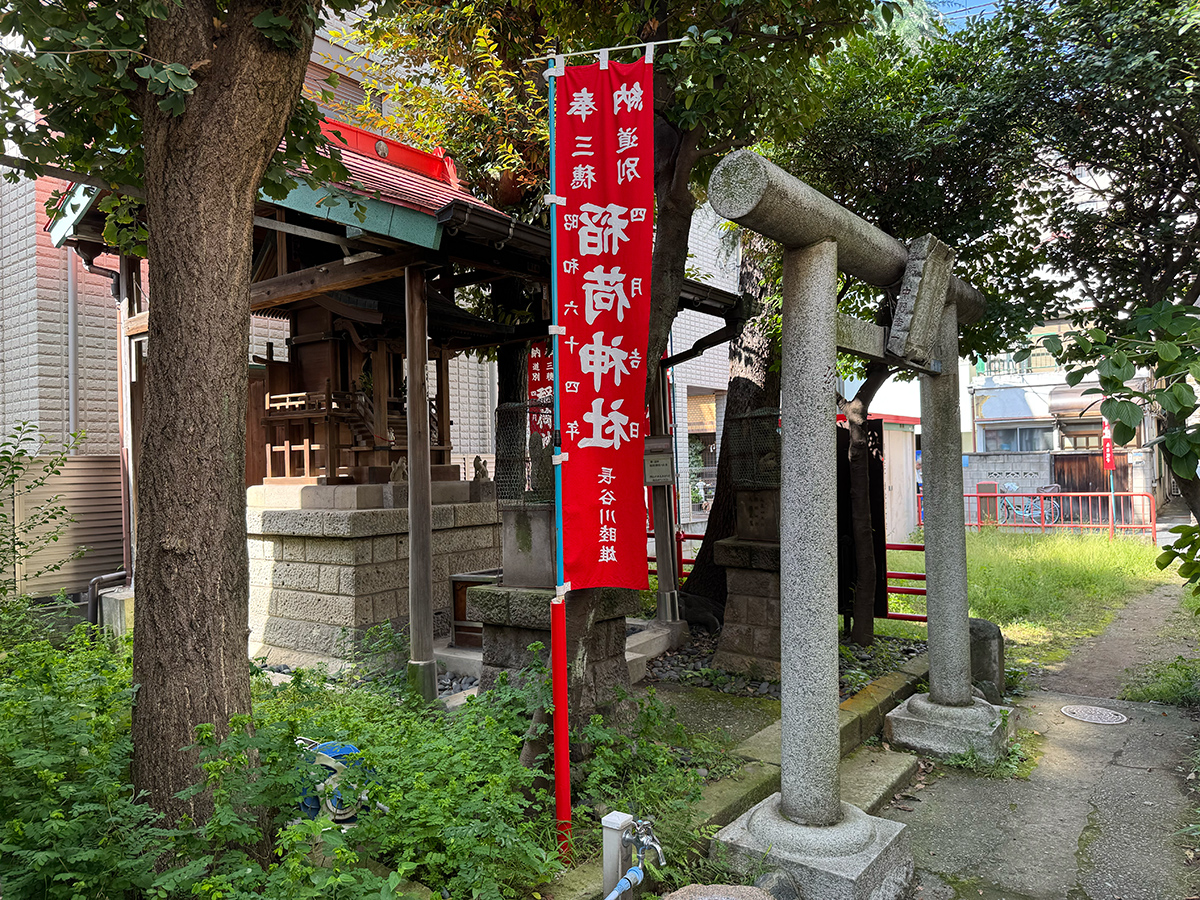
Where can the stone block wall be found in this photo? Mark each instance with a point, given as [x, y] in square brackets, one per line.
[750, 640]
[319, 577]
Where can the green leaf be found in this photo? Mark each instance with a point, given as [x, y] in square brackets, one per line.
[1166, 350]
[1184, 466]
[1164, 559]
[1054, 344]
[1075, 376]
[1122, 433]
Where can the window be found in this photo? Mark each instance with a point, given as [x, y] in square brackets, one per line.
[1013, 439]
[1081, 437]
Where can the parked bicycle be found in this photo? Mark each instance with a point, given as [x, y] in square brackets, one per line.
[1029, 508]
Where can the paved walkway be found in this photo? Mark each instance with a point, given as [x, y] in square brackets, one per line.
[1096, 820]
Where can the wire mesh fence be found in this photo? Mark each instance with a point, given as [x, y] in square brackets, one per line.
[524, 453]
[753, 442]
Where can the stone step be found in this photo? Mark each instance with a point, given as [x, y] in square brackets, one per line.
[871, 776]
[460, 660]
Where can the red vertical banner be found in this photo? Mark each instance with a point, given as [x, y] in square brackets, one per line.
[541, 389]
[1106, 446]
[604, 171]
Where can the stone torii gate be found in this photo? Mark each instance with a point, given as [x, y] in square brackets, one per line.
[834, 850]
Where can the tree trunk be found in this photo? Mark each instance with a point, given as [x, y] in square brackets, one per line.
[674, 158]
[856, 410]
[202, 173]
[752, 385]
[1189, 488]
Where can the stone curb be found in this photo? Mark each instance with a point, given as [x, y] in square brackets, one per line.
[860, 717]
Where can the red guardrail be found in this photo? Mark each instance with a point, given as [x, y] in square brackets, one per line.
[1117, 513]
[680, 537]
[900, 589]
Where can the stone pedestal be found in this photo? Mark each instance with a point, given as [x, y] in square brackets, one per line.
[336, 562]
[749, 639]
[859, 858]
[527, 537]
[934, 729]
[513, 618]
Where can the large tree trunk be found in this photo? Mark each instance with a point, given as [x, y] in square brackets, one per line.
[856, 411]
[202, 174]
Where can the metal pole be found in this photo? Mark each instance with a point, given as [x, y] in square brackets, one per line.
[1112, 505]
[558, 606]
[422, 668]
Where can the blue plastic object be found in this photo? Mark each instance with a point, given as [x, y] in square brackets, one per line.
[334, 757]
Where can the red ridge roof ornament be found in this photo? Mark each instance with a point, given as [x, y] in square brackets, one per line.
[431, 165]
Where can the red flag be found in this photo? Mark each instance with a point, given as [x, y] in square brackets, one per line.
[1106, 445]
[604, 168]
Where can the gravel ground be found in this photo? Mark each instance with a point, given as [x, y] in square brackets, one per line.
[858, 666]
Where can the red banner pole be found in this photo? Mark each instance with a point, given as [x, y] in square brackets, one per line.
[562, 745]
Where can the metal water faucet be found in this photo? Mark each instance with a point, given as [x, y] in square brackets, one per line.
[641, 837]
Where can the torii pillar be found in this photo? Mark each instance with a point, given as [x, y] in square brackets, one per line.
[832, 849]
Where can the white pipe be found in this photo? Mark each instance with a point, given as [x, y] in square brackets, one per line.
[72, 346]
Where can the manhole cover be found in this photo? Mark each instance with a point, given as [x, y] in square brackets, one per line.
[1096, 714]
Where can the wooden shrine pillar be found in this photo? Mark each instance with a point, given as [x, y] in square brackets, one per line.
[422, 668]
[379, 383]
[443, 408]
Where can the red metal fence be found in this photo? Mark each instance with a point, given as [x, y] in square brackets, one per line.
[903, 589]
[1119, 513]
[680, 538]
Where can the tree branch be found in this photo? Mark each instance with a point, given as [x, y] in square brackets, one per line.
[33, 170]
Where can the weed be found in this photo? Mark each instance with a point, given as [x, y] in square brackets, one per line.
[1176, 682]
[1017, 761]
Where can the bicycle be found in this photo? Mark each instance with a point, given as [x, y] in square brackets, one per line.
[1029, 508]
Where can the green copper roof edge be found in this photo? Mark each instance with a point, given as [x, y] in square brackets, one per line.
[382, 218]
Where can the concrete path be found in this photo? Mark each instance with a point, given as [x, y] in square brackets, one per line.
[1097, 819]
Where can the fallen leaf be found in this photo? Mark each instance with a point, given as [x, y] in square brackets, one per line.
[906, 809]
[884, 745]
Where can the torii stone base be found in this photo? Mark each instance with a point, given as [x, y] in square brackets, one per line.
[860, 858]
[935, 730]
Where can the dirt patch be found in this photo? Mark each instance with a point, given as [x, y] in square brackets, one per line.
[1150, 628]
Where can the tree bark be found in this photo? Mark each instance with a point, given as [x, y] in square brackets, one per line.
[752, 385]
[202, 173]
[856, 411]
[675, 155]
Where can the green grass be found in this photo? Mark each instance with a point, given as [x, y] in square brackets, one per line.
[1176, 682]
[1047, 592]
[1019, 759]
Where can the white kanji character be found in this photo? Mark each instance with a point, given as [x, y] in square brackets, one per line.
[601, 229]
[635, 287]
[535, 351]
[572, 343]
[627, 169]
[633, 429]
[603, 291]
[544, 393]
[572, 429]
[570, 266]
[606, 475]
[570, 223]
[571, 307]
[630, 96]
[597, 359]
[607, 533]
[635, 358]
[535, 375]
[612, 424]
[638, 214]
[627, 139]
[583, 104]
[608, 554]
[607, 516]
[608, 498]
[583, 146]
[583, 177]
[572, 387]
